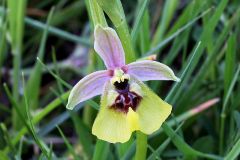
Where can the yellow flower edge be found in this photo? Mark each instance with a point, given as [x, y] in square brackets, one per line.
[115, 126]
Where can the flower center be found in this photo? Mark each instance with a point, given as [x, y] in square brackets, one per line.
[126, 100]
[125, 97]
[119, 76]
[121, 86]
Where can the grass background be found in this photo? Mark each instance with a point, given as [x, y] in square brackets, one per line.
[46, 46]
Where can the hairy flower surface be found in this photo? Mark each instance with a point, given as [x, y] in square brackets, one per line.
[127, 104]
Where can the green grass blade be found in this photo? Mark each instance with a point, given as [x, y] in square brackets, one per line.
[36, 119]
[63, 15]
[169, 9]
[235, 151]
[144, 43]
[176, 86]
[31, 126]
[96, 13]
[223, 113]
[59, 119]
[229, 62]
[58, 32]
[161, 147]
[7, 138]
[137, 23]
[3, 155]
[3, 40]
[184, 147]
[16, 107]
[183, 117]
[16, 12]
[33, 84]
[84, 135]
[230, 89]
[54, 31]
[190, 12]
[167, 40]
[202, 72]
[54, 75]
[69, 146]
[3, 142]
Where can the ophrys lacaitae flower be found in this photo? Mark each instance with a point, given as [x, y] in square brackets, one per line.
[127, 104]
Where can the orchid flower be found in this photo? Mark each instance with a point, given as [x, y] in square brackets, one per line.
[127, 104]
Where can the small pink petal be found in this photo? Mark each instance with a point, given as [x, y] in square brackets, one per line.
[88, 87]
[151, 70]
[109, 47]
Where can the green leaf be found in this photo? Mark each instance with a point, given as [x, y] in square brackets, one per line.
[33, 84]
[40, 143]
[97, 15]
[177, 86]
[16, 106]
[223, 113]
[123, 148]
[7, 138]
[189, 13]
[36, 119]
[58, 32]
[229, 63]
[3, 155]
[169, 9]
[70, 148]
[162, 147]
[54, 75]
[145, 33]
[237, 119]
[84, 135]
[15, 15]
[137, 23]
[235, 151]
[171, 37]
[204, 67]
[54, 31]
[208, 146]
[183, 146]
[230, 89]
[3, 142]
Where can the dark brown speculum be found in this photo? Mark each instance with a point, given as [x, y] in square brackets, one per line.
[121, 86]
[126, 98]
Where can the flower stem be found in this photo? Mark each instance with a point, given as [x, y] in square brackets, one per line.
[141, 148]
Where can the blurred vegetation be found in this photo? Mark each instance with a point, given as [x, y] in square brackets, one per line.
[46, 46]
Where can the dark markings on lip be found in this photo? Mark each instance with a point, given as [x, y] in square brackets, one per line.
[125, 98]
[121, 86]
